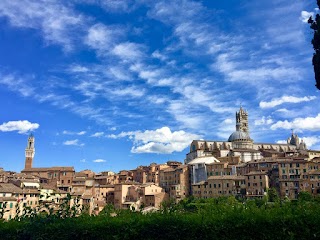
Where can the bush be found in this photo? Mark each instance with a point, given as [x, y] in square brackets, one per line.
[221, 218]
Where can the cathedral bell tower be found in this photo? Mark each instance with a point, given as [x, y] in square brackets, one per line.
[242, 120]
[29, 152]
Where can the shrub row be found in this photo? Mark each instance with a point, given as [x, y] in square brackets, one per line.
[206, 221]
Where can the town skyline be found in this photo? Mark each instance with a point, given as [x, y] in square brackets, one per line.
[126, 83]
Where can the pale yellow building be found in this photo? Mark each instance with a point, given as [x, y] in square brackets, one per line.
[175, 181]
[257, 184]
[215, 186]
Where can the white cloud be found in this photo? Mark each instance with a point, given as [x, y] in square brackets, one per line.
[178, 110]
[17, 84]
[305, 16]
[128, 51]
[285, 99]
[102, 37]
[161, 140]
[283, 110]
[22, 85]
[99, 160]
[263, 121]
[118, 5]
[97, 134]
[225, 128]
[22, 127]
[131, 91]
[65, 132]
[311, 141]
[74, 142]
[83, 160]
[114, 5]
[238, 70]
[78, 69]
[308, 123]
[56, 21]
[112, 128]
[158, 55]
[120, 73]
[227, 121]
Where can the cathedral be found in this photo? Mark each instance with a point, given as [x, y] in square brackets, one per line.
[242, 147]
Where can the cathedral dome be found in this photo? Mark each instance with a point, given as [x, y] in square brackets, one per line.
[239, 136]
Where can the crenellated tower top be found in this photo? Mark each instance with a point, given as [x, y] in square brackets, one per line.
[29, 152]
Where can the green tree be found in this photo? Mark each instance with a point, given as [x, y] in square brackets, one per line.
[305, 197]
[315, 26]
[273, 195]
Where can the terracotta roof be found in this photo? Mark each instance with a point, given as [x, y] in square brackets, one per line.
[30, 191]
[199, 183]
[29, 180]
[80, 174]
[226, 177]
[46, 169]
[292, 160]
[264, 160]
[48, 186]
[255, 173]
[168, 169]
[107, 186]
[101, 177]
[9, 188]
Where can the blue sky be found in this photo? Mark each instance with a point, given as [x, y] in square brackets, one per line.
[114, 84]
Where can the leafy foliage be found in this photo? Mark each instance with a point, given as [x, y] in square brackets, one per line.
[273, 195]
[305, 196]
[315, 26]
[219, 218]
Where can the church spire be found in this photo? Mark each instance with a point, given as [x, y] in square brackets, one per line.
[242, 120]
[29, 152]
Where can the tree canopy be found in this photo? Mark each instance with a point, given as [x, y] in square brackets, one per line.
[315, 26]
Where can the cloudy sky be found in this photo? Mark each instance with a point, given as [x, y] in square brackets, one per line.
[114, 84]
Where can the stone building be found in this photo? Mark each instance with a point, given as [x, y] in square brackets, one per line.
[175, 181]
[215, 186]
[257, 184]
[241, 145]
[60, 176]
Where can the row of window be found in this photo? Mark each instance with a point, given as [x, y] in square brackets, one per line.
[210, 192]
[218, 173]
[294, 171]
[255, 184]
[254, 177]
[215, 185]
[24, 204]
[291, 164]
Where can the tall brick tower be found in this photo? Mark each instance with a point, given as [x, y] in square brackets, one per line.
[29, 153]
